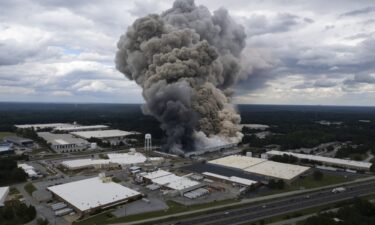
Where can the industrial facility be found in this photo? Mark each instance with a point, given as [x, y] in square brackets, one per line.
[76, 128]
[64, 142]
[341, 163]
[262, 167]
[113, 137]
[44, 126]
[169, 181]
[91, 194]
[19, 141]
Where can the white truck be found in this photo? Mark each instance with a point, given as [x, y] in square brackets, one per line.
[338, 190]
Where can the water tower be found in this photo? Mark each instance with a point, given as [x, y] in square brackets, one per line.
[148, 143]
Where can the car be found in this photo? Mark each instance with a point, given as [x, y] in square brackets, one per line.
[226, 213]
[264, 206]
[307, 196]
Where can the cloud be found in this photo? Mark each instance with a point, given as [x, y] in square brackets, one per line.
[358, 12]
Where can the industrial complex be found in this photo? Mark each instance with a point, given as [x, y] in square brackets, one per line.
[81, 170]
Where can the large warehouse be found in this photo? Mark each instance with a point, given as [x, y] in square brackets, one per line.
[64, 142]
[114, 137]
[328, 161]
[80, 128]
[19, 141]
[262, 167]
[44, 126]
[114, 160]
[88, 195]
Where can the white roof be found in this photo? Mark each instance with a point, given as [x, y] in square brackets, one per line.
[237, 161]
[119, 158]
[175, 182]
[155, 174]
[45, 125]
[61, 139]
[92, 193]
[277, 170]
[170, 180]
[28, 169]
[3, 194]
[336, 161]
[78, 163]
[127, 158]
[102, 134]
[76, 128]
[234, 179]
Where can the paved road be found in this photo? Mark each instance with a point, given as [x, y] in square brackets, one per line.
[42, 209]
[278, 207]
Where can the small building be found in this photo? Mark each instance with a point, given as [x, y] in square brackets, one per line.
[19, 141]
[170, 181]
[4, 191]
[6, 149]
[89, 195]
[29, 170]
[113, 137]
[64, 142]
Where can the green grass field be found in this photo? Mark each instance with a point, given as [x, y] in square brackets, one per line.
[4, 134]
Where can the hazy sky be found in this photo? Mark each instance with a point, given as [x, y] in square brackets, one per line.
[306, 52]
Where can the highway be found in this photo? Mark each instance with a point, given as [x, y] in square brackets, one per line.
[276, 207]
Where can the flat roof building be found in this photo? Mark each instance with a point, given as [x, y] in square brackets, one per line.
[4, 191]
[78, 128]
[115, 159]
[262, 167]
[231, 179]
[6, 148]
[94, 193]
[170, 181]
[29, 170]
[237, 161]
[114, 137]
[44, 126]
[276, 170]
[20, 141]
[350, 164]
[64, 142]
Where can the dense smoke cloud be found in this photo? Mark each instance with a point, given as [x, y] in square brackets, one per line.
[186, 60]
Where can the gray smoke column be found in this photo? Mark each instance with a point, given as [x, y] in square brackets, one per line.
[186, 60]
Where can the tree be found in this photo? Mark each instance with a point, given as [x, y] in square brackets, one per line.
[318, 175]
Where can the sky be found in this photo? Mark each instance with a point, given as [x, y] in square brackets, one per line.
[303, 52]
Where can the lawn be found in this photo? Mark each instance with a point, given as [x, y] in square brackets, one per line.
[174, 207]
[29, 188]
[309, 182]
[5, 134]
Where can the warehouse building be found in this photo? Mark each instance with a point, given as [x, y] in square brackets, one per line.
[114, 160]
[78, 128]
[170, 181]
[45, 126]
[113, 137]
[19, 141]
[4, 191]
[232, 179]
[89, 195]
[64, 142]
[6, 148]
[328, 161]
[262, 167]
[29, 170]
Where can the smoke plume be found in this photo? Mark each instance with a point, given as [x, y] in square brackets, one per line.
[186, 60]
